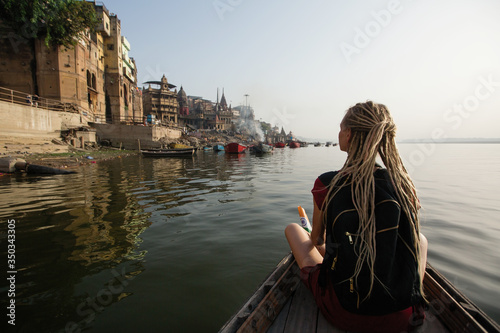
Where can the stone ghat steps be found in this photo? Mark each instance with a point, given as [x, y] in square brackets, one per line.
[23, 146]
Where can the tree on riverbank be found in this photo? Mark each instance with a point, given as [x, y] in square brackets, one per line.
[58, 22]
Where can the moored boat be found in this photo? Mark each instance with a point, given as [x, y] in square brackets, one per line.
[283, 304]
[218, 147]
[179, 146]
[279, 145]
[168, 152]
[317, 144]
[208, 148]
[234, 148]
[262, 148]
[294, 144]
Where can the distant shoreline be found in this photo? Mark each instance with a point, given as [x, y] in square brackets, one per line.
[457, 140]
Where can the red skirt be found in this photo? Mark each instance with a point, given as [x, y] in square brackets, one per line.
[326, 299]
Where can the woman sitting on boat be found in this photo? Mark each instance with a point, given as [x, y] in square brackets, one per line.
[365, 258]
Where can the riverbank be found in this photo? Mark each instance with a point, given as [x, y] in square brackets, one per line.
[72, 160]
[59, 154]
[56, 154]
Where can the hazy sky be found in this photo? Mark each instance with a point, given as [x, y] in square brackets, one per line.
[435, 64]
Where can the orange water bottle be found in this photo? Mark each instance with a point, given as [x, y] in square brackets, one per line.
[304, 221]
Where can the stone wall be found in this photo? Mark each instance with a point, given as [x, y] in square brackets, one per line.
[129, 136]
[28, 121]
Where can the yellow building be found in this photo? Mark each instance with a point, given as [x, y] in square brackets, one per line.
[69, 75]
[92, 76]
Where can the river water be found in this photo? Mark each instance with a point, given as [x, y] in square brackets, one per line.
[177, 245]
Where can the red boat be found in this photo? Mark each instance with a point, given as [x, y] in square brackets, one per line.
[294, 144]
[234, 148]
[279, 145]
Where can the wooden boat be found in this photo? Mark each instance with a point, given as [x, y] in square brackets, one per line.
[294, 144]
[328, 144]
[317, 144]
[208, 148]
[234, 148]
[179, 146]
[168, 152]
[279, 145]
[283, 304]
[262, 148]
[218, 148]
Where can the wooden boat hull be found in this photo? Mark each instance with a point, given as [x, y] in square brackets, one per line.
[279, 145]
[234, 148]
[283, 304]
[294, 144]
[179, 146]
[218, 148]
[168, 152]
[262, 149]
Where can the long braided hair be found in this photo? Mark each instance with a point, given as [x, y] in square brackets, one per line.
[373, 133]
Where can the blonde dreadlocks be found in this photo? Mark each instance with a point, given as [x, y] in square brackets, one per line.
[373, 132]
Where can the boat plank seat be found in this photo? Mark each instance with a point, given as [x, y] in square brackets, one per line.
[300, 314]
[282, 303]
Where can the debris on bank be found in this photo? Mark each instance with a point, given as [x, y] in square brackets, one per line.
[12, 165]
[209, 138]
[71, 151]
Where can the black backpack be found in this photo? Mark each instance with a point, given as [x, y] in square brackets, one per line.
[397, 281]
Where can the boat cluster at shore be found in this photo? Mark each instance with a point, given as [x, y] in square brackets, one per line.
[63, 155]
[228, 142]
[179, 149]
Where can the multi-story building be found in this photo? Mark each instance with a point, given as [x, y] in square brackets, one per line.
[183, 103]
[198, 108]
[224, 114]
[91, 76]
[120, 72]
[205, 114]
[176, 108]
[161, 102]
[69, 75]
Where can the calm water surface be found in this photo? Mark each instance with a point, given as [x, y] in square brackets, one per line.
[177, 245]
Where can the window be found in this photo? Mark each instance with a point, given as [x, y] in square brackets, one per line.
[89, 80]
[111, 47]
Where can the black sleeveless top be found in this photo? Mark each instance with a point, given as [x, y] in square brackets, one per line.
[397, 281]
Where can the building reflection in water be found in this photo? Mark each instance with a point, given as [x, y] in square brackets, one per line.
[76, 237]
[79, 237]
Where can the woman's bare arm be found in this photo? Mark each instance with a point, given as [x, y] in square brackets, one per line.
[318, 230]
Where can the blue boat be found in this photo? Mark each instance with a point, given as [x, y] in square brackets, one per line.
[218, 148]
